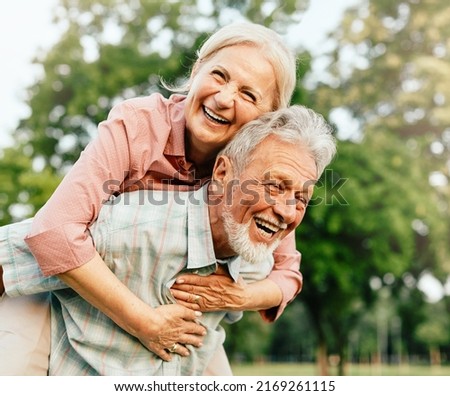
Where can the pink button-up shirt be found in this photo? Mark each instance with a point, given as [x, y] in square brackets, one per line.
[140, 146]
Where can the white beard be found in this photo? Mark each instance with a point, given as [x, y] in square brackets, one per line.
[239, 240]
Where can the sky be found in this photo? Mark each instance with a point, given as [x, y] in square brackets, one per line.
[23, 34]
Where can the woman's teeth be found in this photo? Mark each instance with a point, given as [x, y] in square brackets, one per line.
[214, 117]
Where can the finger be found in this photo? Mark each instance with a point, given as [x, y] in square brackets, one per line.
[191, 315]
[188, 300]
[192, 280]
[182, 350]
[184, 304]
[162, 353]
[189, 339]
[184, 286]
[183, 296]
[195, 329]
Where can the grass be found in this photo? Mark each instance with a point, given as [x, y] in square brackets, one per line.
[307, 369]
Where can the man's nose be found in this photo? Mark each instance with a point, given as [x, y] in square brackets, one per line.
[286, 208]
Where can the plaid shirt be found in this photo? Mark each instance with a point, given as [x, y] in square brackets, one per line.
[147, 238]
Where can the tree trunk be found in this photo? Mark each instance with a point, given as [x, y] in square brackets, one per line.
[435, 356]
[342, 366]
[322, 358]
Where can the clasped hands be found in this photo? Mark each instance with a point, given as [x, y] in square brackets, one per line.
[216, 292]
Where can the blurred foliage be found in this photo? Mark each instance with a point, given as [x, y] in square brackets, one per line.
[390, 73]
[375, 224]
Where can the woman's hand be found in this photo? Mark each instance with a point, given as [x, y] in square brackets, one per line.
[215, 292]
[163, 329]
[218, 292]
[168, 328]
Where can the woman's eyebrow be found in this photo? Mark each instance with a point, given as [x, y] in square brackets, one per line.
[244, 87]
[224, 71]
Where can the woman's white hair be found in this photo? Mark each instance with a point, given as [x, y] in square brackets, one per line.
[272, 48]
[296, 124]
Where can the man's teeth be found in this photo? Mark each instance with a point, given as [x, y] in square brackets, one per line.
[267, 227]
[214, 116]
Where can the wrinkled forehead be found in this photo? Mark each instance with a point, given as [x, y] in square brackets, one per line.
[281, 161]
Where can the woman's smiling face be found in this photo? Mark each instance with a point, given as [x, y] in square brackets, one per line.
[231, 88]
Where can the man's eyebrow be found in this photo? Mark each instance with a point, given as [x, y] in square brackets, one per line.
[285, 181]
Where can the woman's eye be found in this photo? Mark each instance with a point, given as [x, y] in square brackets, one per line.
[250, 96]
[219, 74]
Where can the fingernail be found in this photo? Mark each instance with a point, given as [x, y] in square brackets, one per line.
[180, 281]
[198, 313]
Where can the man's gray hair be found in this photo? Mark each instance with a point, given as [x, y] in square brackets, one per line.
[296, 124]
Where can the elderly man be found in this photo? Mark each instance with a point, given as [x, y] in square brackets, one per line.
[262, 182]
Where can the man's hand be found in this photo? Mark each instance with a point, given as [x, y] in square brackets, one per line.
[216, 292]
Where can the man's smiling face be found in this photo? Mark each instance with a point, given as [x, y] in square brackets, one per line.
[270, 198]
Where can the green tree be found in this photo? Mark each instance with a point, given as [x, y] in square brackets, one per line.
[389, 72]
[434, 332]
[358, 229]
[397, 80]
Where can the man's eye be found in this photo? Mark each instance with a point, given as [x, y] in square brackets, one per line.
[274, 188]
[301, 201]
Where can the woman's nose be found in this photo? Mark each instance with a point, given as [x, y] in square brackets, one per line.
[225, 97]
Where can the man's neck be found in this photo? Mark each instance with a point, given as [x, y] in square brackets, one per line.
[222, 248]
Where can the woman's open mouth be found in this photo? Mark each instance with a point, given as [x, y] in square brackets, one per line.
[214, 117]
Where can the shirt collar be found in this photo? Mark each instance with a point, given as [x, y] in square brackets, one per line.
[200, 243]
[176, 142]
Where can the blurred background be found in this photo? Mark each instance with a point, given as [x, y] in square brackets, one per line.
[375, 240]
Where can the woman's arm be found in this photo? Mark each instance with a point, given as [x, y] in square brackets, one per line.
[269, 296]
[117, 159]
[220, 292]
[62, 245]
[157, 328]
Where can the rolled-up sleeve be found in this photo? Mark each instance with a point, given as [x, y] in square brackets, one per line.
[21, 273]
[286, 274]
[59, 238]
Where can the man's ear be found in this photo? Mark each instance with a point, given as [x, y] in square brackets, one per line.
[223, 170]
